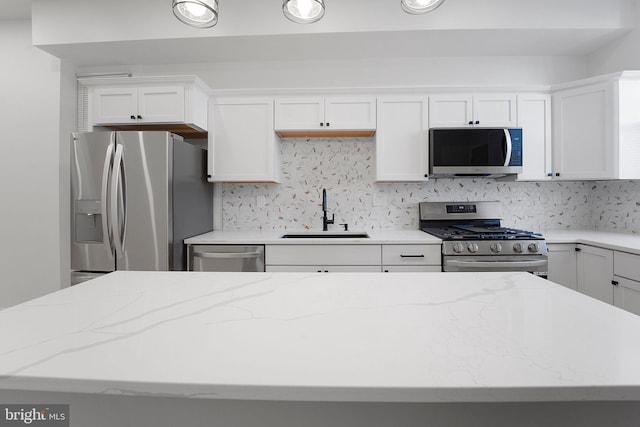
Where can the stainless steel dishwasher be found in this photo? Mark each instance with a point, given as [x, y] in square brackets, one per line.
[225, 258]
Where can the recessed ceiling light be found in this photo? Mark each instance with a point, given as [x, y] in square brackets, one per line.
[417, 7]
[303, 11]
[197, 13]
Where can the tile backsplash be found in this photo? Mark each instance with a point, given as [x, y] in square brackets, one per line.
[346, 169]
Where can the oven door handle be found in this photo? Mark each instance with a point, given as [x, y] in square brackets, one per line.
[517, 264]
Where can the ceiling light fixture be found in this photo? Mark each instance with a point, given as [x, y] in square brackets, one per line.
[197, 13]
[417, 7]
[303, 11]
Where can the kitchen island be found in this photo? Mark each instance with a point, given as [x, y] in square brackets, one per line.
[181, 348]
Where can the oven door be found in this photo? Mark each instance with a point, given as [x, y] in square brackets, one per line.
[531, 263]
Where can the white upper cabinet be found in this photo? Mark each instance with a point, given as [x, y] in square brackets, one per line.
[463, 110]
[149, 100]
[583, 132]
[402, 146]
[596, 127]
[325, 116]
[138, 105]
[242, 143]
[534, 117]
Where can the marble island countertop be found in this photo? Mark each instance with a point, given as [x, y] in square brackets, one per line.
[408, 337]
[274, 237]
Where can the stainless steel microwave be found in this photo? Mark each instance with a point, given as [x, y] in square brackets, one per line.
[489, 152]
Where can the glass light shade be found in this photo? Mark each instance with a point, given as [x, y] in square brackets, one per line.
[303, 11]
[197, 13]
[417, 7]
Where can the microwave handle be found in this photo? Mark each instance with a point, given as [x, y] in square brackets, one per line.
[507, 157]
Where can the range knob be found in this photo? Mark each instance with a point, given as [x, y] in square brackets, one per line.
[533, 247]
[458, 247]
[517, 248]
[496, 247]
[472, 247]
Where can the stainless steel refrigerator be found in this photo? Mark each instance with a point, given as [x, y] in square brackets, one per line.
[135, 197]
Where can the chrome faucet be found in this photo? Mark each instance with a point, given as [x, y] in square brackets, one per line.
[325, 220]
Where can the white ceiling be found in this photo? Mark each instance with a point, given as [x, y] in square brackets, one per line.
[148, 33]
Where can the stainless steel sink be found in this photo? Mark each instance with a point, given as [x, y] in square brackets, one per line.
[326, 235]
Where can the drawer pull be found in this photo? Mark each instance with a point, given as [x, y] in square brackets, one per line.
[412, 256]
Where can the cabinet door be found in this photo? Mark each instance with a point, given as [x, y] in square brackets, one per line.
[114, 106]
[626, 294]
[243, 142]
[299, 113]
[350, 113]
[583, 133]
[494, 110]
[595, 272]
[534, 117]
[562, 267]
[450, 110]
[161, 104]
[402, 152]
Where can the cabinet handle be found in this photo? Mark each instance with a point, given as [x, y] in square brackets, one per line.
[139, 117]
[557, 174]
[386, 271]
[328, 124]
[471, 122]
[578, 249]
[550, 174]
[133, 117]
[319, 271]
[614, 283]
[412, 256]
[477, 122]
[326, 271]
[321, 124]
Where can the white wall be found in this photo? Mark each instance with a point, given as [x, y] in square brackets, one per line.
[464, 71]
[622, 54]
[29, 167]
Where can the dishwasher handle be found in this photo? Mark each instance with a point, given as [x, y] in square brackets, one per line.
[227, 255]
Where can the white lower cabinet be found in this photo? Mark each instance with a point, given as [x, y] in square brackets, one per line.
[322, 269]
[595, 272]
[323, 258]
[608, 275]
[626, 280]
[411, 258]
[331, 258]
[562, 267]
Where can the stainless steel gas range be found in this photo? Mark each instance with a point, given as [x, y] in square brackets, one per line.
[474, 240]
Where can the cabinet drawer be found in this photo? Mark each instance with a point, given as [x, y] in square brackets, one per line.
[411, 254]
[411, 268]
[626, 265]
[323, 255]
[323, 269]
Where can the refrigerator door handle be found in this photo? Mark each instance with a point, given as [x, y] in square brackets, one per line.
[107, 225]
[119, 210]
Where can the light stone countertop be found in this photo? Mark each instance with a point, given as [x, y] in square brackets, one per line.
[273, 237]
[381, 337]
[625, 242]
